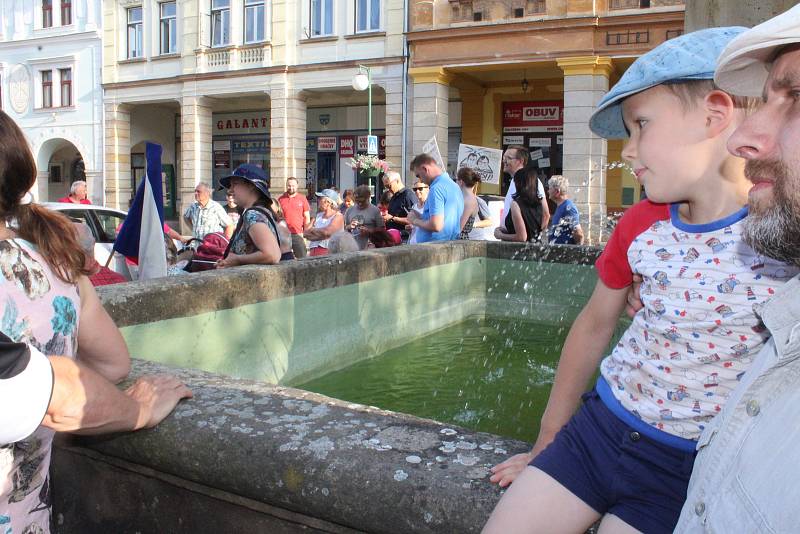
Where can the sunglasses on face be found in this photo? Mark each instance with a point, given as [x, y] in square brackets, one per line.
[419, 188]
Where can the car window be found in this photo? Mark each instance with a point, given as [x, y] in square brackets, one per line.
[108, 222]
[81, 215]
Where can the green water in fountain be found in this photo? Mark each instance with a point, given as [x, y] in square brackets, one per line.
[491, 375]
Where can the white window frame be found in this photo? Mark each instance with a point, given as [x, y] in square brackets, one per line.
[368, 28]
[171, 22]
[327, 11]
[224, 12]
[252, 5]
[71, 12]
[54, 65]
[71, 86]
[140, 33]
[40, 76]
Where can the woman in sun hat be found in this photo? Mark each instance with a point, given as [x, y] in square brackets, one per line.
[255, 240]
[327, 222]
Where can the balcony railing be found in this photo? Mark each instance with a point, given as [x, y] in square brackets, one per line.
[233, 58]
[431, 14]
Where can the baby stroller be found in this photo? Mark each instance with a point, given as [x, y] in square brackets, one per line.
[210, 250]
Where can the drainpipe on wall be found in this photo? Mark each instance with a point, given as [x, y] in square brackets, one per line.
[405, 94]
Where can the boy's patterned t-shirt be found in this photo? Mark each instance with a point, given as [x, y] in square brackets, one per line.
[687, 349]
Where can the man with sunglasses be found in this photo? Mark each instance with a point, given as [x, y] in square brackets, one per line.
[441, 217]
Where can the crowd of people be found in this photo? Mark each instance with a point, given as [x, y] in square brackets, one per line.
[689, 425]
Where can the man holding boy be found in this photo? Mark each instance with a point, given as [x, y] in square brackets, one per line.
[626, 454]
[748, 463]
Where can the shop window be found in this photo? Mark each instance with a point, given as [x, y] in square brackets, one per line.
[66, 87]
[66, 12]
[254, 16]
[321, 17]
[220, 22]
[135, 39]
[368, 15]
[47, 13]
[47, 88]
[167, 28]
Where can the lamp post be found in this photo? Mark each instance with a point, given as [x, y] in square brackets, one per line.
[361, 81]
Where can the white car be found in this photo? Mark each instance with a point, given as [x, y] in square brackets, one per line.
[103, 222]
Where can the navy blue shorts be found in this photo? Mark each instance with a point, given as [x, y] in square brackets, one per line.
[616, 470]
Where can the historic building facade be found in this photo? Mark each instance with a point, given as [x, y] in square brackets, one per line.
[531, 72]
[50, 61]
[222, 82]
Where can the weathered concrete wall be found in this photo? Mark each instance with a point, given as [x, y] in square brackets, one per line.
[243, 456]
[246, 456]
[708, 13]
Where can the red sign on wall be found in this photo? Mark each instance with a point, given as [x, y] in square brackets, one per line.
[521, 117]
[347, 147]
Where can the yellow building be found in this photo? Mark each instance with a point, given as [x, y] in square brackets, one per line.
[222, 82]
[531, 72]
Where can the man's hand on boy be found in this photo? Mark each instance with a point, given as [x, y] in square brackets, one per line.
[634, 301]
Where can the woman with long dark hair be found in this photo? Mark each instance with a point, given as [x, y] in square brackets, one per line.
[46, 301]
[521, 224]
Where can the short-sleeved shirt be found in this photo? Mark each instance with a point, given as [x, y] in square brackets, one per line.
[26, 382]
[241, 242]
[294, 210]
[401, 203]
[565, 219]
[674, 367]
[68, 200]
[208, 219]
[370, 217]
[444, 198]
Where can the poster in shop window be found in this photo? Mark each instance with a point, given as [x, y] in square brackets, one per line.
[487, 162]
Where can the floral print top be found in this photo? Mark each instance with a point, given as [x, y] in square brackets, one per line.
[37, 308]
[241, 242]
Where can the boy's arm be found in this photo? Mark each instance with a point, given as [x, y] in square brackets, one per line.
[582, 352]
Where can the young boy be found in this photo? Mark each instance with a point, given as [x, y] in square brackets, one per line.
[627, 454]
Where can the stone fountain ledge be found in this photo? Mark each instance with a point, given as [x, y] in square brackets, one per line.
[323, 462]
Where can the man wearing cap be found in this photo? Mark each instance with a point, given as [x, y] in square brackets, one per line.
[297, 213]
[205, 216]
[748, 462]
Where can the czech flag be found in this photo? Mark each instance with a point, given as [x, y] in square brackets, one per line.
[141, 237]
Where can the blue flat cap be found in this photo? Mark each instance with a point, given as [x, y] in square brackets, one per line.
[692, 56]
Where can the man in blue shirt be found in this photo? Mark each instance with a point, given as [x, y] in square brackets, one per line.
[441, 217]
[565, 226]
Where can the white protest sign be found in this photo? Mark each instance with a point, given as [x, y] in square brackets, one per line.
[487, 162]
[544, 163]
[537, 154]
[432, 149]
[513, 139]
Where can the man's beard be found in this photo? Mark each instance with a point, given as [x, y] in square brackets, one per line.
[773, 228]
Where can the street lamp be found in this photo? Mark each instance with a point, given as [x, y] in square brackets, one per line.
[361, 81]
